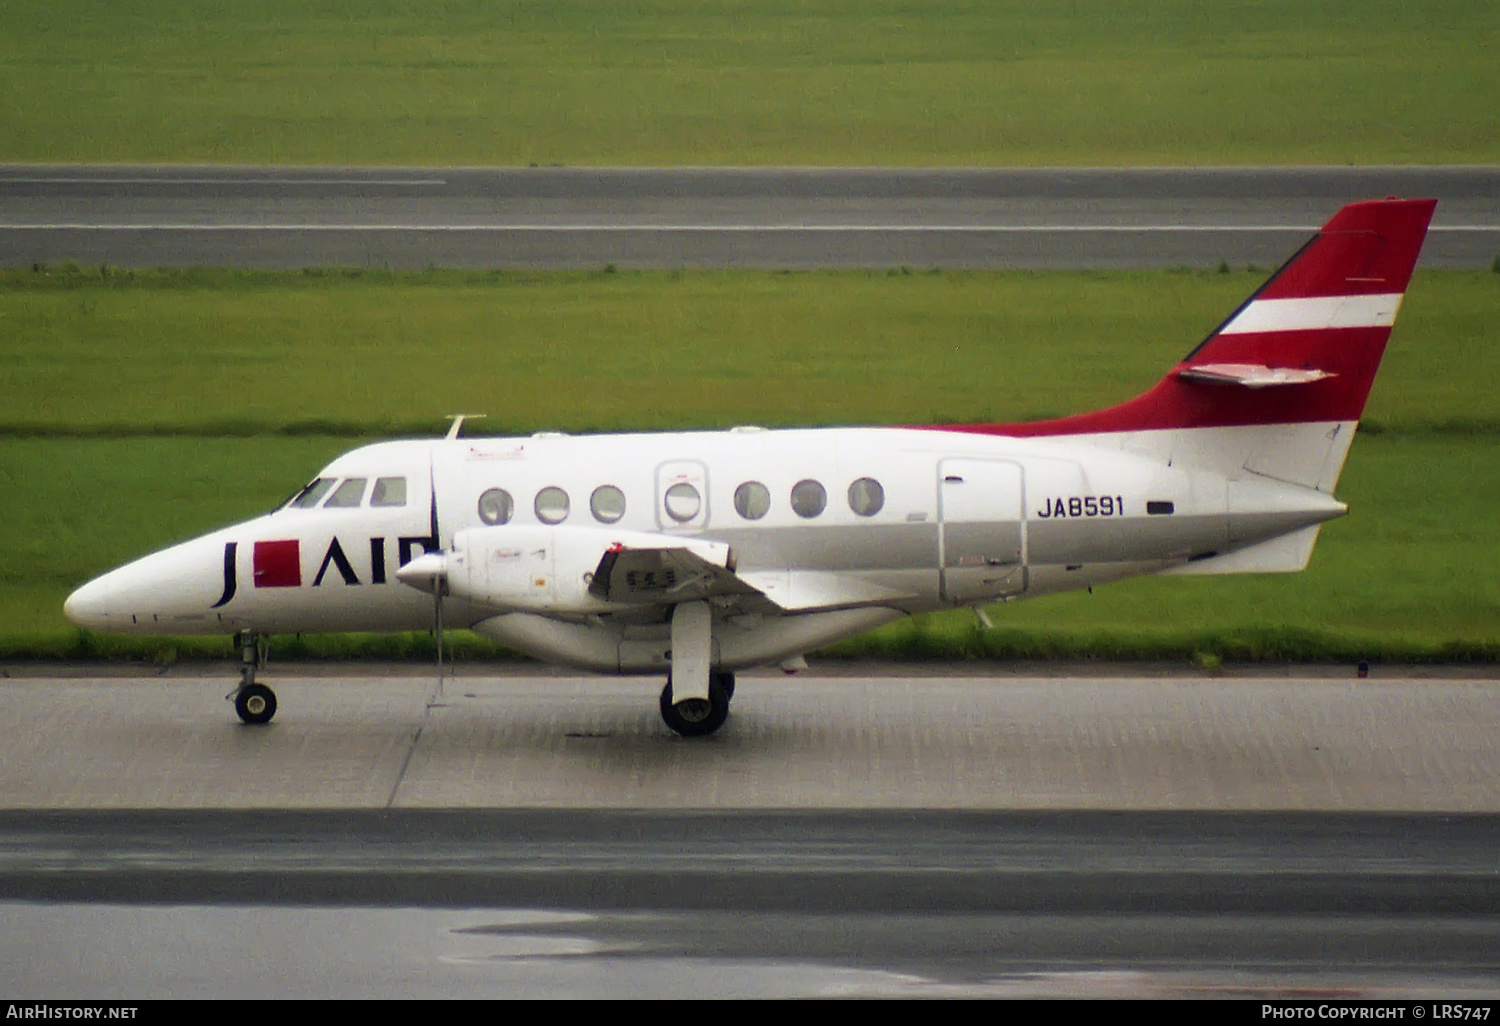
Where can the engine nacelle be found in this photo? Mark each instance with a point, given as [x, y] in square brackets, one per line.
[549, 569]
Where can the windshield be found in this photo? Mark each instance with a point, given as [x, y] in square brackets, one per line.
[310, 495]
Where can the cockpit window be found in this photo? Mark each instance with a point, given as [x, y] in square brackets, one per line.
[315, 490]
[347, 495]
[389, 491]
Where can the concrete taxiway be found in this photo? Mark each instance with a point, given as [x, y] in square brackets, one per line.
[804, 742]
[135, 216]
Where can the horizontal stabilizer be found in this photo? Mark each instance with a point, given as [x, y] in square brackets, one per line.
[1250, 375]
[1286, 554]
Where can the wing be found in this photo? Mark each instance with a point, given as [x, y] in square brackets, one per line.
[670, 575]
[666, 575]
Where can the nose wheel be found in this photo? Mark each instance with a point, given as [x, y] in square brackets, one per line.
[696, 717]
[255, 703]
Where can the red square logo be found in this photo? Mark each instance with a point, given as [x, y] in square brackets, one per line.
[278, 564]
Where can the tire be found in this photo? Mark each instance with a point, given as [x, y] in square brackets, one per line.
[726, 682]
[255, 704]
[695, 717]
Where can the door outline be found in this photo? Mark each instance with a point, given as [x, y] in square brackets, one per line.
[951, 467]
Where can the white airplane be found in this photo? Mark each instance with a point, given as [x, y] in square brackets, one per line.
[698, 554]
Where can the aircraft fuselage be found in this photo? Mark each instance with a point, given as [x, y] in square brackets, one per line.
[887, 520]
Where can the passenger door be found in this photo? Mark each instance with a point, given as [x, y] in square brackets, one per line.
[982, 535]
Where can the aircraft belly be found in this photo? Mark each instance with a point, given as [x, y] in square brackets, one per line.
[738, 642]
[587, 646]
[1054, 577]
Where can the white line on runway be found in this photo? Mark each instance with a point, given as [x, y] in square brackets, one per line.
[644, 228]
[223, 181]
[687, 228]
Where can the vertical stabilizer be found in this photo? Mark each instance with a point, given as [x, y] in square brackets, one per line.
[1277, 388]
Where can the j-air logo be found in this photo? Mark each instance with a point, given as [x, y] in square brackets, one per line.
[278, 564]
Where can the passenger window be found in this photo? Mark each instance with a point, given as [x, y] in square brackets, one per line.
[496, 507]
[347, 495]
[607, 504]
[866, 497]
[752, 500]
[388, 491]
[683, 502]
[551, 505]
[808, 499]
[315, 490]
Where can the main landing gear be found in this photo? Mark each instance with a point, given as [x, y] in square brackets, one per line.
[255, 703]
[697, 717]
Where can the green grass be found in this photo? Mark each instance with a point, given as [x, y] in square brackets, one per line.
[239, 353]
[828, 82]
[142, 409]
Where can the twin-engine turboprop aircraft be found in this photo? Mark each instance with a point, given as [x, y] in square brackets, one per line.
[698, 554]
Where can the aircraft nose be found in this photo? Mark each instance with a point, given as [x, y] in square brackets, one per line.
[89, 606]
[171, 590]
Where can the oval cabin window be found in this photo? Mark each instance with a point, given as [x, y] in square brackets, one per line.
[683, 502]
[607, 504]
[752, 500]
[809, 498]
[551, 505]
[496, 506]
[866, 497]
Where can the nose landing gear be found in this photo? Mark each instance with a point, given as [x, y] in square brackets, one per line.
[255, 703]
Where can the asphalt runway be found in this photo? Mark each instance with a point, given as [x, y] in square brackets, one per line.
[555, 903]
[685, 217]
[519, 833]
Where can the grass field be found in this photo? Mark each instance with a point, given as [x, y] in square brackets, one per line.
[358, 353]
[139, 410]
[824, 82]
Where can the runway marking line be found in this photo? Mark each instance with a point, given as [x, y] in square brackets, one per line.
[223, 181]
[680, 228]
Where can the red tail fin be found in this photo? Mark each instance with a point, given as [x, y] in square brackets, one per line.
[1303, 348]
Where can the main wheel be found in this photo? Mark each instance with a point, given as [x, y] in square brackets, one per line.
[726, 682]
[255, 703]
[695, 717]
